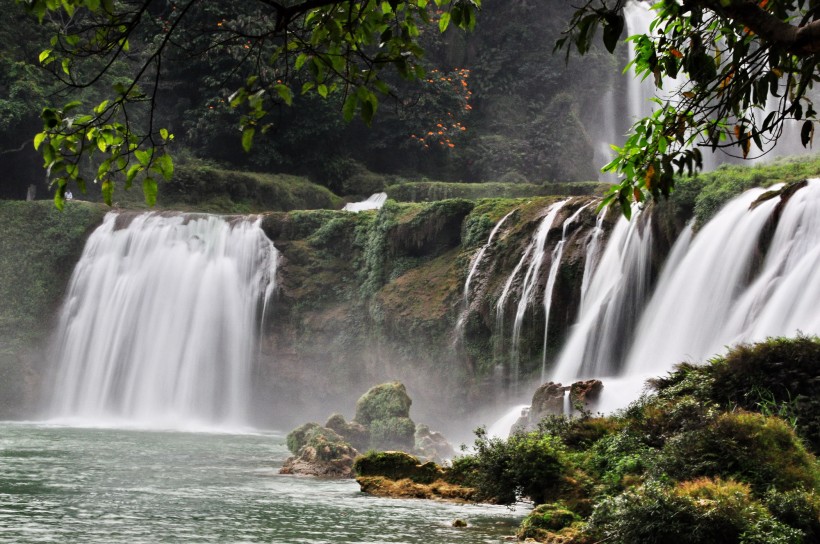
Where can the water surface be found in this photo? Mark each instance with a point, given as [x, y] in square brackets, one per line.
[64, 484]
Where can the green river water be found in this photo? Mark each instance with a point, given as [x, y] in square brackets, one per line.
[81, 485]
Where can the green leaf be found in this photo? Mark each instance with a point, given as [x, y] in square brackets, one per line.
[444, 22]
[132, 173]
[143, 156]
[149, 189]
[108, 191]
[38, 139]
[284, 93]
[322, 90]
[163, 132]
[247, 138]
[44, 54]
[349, 107]
[165, 166]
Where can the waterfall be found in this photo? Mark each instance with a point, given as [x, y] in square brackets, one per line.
[611, 305]
[536, 248]
[373, 202]
[476, 260]
[159, 327]
[591, 260]
[709, 302]
[555, 264]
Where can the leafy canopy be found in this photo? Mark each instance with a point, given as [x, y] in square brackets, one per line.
[279, 48]
[748, 67]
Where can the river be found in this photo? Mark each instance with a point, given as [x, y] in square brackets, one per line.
[68, 484]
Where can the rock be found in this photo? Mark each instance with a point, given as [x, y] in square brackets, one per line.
[458, 522]
[385, 401]
[324, 453]
[397, 465]
[353, 432]
[298, 436]
[581, 394]
[385, 409]
[547, 400]
[432, 445]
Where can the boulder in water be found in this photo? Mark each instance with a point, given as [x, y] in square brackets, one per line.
[324, 453]
[432, 445]
[383, 401]
[354, 432]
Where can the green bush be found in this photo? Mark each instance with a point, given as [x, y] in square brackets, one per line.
[762, 451]
[797, 508]
[696, 512]
[526, 465]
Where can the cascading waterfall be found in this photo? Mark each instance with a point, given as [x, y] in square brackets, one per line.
[480, 255]
[476, 260]
[711, 299]
[159, 327]
[537, 249]
[611, 304]
[593, 244]
[555, 264]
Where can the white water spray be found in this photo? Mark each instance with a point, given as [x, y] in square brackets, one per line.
[160, 320]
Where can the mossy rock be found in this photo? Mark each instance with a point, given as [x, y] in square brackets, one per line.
[392, 433]
[385, 401]
[298, 436]
[357, 434]
[546, 522]
[397, 465]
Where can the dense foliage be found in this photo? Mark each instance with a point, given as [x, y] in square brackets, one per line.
[713, 455]
[748, 68]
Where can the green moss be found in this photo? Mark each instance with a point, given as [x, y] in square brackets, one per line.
[396, 465]
[428, 191]
[392, 433]
[199, 187]
[298, 437]
[545, 520]
[384, 401]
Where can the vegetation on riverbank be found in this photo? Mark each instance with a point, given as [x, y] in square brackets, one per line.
[721, 452]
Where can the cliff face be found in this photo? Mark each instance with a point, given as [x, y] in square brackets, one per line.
[362, 299]
[38, 249]
[375, 296]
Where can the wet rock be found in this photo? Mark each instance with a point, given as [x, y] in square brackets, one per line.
[432, 445]
[353, 432]
[324, 453]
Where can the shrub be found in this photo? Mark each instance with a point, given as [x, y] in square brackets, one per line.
[760, 450]
[797, 508]
[526, 465]
[695, 512]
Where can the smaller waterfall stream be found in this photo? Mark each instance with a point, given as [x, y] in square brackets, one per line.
[160, 320]
[538, 251]
[555, 264]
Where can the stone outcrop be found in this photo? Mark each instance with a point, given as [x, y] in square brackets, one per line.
[549, 400]
[322, 452]
[400, 475]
